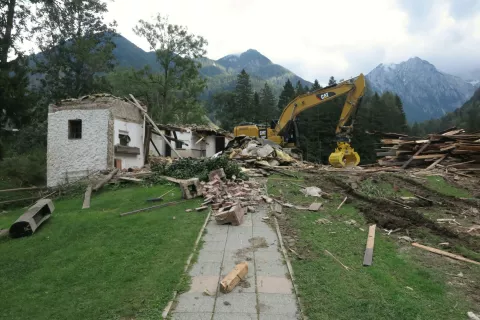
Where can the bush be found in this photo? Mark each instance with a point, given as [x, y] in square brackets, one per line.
[25, 169]
[187, 168]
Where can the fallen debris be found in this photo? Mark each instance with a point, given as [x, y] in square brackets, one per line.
[368, 257]
[322, 221]
[312, 191]
[234, 277]
[454, 148]
[315, 206]
[233, 215]
[472, 316]
[329, 253]
[341, 204]
[29, 222]
[201, 208]
[444, 253]
[405, 238]
[152, 207]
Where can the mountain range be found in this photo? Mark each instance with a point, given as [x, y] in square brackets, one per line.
[221, 74]
[426, 92]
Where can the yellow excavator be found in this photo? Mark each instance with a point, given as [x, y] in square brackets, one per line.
[285, 132]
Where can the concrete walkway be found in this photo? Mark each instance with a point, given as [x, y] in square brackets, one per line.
[266, 293]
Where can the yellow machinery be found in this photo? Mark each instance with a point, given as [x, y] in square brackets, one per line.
[285, 132]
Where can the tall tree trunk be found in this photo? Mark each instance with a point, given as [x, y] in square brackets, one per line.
[7, 39]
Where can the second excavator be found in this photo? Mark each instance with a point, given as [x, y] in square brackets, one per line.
[285, 132]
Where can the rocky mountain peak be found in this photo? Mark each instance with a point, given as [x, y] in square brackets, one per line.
[426, 92]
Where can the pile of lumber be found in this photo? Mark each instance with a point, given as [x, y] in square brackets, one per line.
[452, 147]
[229, 200]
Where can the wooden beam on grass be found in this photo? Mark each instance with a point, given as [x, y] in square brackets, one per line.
[22, 189]
[444, 253]
[152, 207]
[153, 124]
[368, 257]
[405, 165]
[106, 180]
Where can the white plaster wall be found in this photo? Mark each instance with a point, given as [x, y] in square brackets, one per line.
[135, 131]
[69, 159]
[210, 147]
[161, 145]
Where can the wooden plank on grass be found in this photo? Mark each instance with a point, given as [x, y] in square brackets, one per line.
[368, 257]
[405, 165]
[444, 253]
[86, 199]
[22, 189]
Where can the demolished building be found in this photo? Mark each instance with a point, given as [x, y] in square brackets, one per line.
[90, 134]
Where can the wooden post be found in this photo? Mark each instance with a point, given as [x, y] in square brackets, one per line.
[405, 165]
[368, 257]
[86, 200]
[154, 125]
[159, 154]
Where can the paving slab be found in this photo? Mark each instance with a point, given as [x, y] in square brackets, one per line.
[202, 283]
[234, 316]
[280, 285]
[194, 302]
[191, 316]
[209, 256]
[236, 302]
[205, 269]
[274, 303]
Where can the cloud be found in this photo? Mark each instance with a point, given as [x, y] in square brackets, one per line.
[319, 38]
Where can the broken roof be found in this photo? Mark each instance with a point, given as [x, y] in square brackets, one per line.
[208, 128]
[121, 108]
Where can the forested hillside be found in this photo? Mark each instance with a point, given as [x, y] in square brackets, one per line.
[466, 117]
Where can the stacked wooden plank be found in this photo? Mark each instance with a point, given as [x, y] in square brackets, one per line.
[449, 147]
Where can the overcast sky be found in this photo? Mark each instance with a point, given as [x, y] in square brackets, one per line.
[319, 38]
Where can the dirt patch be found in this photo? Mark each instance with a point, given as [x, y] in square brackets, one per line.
[255, 243]
[258, 242]
[244, 284]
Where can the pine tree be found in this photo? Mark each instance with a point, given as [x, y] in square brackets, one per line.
[244, 97]
[256, 107]
[332, 81]
[287, 95]
[299, 89]
[316, 85]
[402, 117]
[267, 104]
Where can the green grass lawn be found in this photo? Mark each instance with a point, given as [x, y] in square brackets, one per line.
[440, 185]
[93, 264]
[396, 286]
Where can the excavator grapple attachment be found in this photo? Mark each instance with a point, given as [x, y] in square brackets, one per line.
[344, 156]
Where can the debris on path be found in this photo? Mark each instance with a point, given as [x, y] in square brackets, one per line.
[234, 277]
